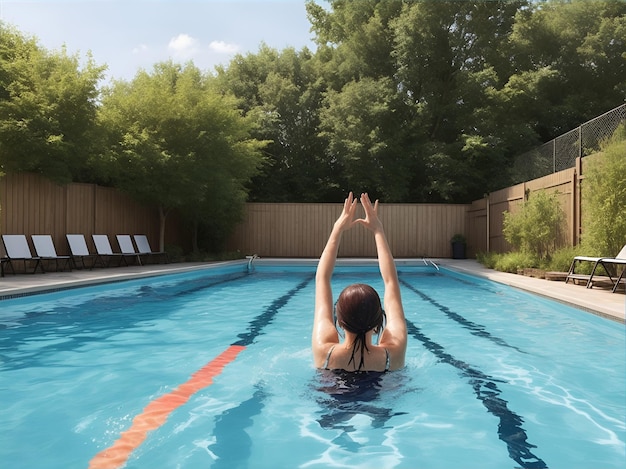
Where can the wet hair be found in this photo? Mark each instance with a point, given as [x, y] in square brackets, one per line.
[359, 311]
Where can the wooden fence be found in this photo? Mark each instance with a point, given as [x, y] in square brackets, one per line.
[485, 217]
[29, 205]
[414, 230]
[301, 230]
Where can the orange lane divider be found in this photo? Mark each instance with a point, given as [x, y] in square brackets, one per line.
[156, 413]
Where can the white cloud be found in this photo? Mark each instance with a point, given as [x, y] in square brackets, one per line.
[183, 46]
[140, 48]
[222, 47]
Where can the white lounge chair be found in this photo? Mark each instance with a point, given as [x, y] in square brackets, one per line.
[44, 246]
[127, 248]
[143, 246]
[605, 262]
[16, 247]
[103, 248]
[80, 251]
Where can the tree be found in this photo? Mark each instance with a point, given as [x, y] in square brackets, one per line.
[179, 144]
[48, 106]
[576, 49]
[364, 131]
[280, 91]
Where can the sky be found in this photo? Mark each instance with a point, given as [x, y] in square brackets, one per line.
[128, 35]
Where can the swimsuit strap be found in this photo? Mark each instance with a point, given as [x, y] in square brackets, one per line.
[325, 367]
[387, 364]
[387, 359]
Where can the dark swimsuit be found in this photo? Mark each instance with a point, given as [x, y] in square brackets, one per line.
[325, 367]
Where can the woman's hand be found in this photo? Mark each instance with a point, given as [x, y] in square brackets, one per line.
[371, 220]
[346, 219]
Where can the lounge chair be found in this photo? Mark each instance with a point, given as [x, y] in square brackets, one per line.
[143, 246]
[126, 246]
[80, 251]
[605, 262]
[44, 246]
[103, 248]
[3, 260]
[16, 247]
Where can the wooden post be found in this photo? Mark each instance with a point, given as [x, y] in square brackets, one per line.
[487, 211]
[577, 201]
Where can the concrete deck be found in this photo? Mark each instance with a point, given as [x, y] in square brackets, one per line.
[595, 300]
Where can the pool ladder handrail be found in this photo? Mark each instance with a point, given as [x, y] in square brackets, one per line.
[426, 261]
[250, 261]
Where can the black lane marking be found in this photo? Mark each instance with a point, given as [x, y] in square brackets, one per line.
[475, 329]
[510, 429]
[233, 445]
[255, 327]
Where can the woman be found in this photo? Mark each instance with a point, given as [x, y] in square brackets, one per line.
[359, 311]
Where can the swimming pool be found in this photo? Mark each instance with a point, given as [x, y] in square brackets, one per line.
[213, 369]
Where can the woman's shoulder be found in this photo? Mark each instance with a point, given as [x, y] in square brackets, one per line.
[340, 358]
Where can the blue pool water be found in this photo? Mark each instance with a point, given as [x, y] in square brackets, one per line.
[495, 377]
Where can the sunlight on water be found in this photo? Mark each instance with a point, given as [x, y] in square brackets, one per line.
[494, 377]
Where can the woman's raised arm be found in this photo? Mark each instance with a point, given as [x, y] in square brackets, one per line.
[394, 336]
[324, 331]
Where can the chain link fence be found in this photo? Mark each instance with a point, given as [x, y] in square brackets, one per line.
[561, 153]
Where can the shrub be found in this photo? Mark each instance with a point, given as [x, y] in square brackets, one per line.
[561, 259]
[536, 228]
[488, 259]
[604, 198]
[513, 261]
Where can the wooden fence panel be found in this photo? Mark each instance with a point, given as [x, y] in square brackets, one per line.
[510, 199]
[301, 230]
[81, 208]
[30, 204]
[476, 227]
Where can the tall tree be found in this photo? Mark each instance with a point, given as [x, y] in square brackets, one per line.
[577, 51]
[48, 103]
[281, 92]
[179, 144]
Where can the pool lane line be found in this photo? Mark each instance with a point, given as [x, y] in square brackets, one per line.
[156, 412]
[510, 429]
[475, 329]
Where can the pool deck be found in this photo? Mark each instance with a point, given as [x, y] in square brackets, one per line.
[596, 300]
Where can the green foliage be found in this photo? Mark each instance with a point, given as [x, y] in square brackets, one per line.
[561, 259]
[536, 227]
[282, 94]
[414, 101]
[509, 262]
[488, 259]
[176, 143]
[513, 261]
[604, 198]
[47, 109]
[361, 123]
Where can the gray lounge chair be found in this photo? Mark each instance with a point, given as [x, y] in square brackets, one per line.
[17, 249]
[127, 248]
[103, 248]
[143, 246]
[606, 262]
[44, 246]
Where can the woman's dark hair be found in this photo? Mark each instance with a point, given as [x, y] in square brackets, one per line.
[359, 311]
